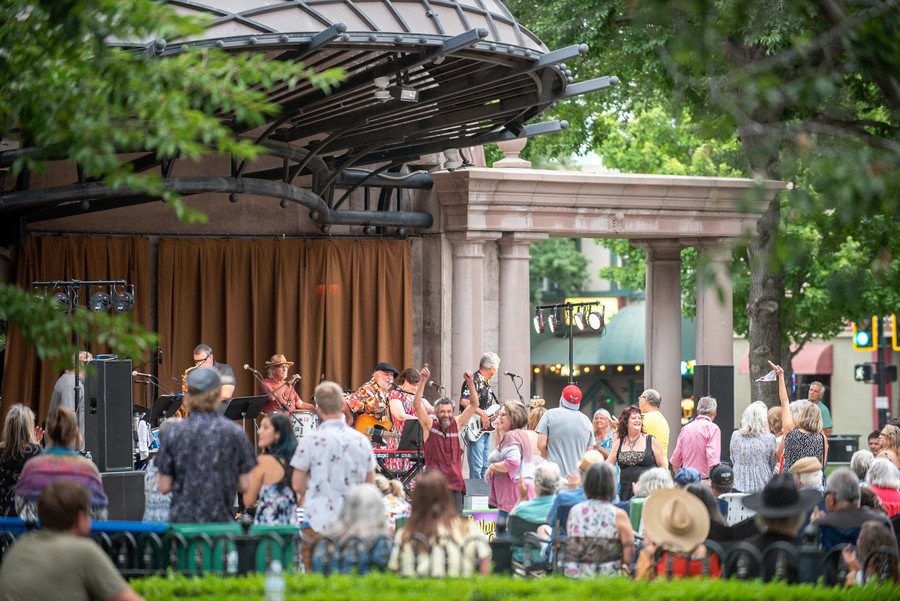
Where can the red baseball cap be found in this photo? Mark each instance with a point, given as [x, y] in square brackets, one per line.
[571, 397]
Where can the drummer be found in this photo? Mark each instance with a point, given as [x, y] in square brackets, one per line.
[280, 390]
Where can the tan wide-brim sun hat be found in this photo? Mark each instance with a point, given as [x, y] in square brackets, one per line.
[278, 359]
[675, 519]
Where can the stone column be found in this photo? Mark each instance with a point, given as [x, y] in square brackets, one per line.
[662, 334]
[467, 310]
[515, 312]
[715, 317]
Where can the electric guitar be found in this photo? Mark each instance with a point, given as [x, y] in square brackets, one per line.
[375, 429]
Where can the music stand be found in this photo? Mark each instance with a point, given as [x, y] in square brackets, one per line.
[243, 408]
[411, 440]
[165, 406]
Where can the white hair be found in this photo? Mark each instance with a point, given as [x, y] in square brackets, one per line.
[653, 480]
[547, 478]
[602, 412]
[706, 405]
[860, 463]
[489, 360]
[755, 419]
[884, 474]
[362, 515]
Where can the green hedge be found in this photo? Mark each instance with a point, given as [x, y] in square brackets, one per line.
[384, 587]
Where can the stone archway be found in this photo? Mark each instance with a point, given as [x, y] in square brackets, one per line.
[490, 214]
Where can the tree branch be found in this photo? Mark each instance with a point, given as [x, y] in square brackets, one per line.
[884, 80]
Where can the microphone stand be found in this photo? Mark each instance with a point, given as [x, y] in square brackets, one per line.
[517, 382]
[258, 376]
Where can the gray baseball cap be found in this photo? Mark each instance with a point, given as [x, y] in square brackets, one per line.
[204, 379]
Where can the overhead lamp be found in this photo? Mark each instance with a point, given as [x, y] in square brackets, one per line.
[553, 322]
[404, 93]
[382, 92]
[579, 320]
[100, 301]
[123, 301]
[538, 322]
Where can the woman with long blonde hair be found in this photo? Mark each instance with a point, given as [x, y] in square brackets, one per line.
[20, 443]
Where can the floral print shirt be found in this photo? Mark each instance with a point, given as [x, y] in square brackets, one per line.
[335, 457]
[486, 396]
[205, 455]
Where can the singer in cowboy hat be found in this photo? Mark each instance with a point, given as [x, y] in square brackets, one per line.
[280, 390]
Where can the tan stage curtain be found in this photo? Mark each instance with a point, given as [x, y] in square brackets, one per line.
[28, 380]
[334, 307]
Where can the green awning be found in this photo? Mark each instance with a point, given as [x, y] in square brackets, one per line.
[623, 343]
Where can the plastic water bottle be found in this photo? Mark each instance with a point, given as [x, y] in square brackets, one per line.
[232, 562]
[274, 587]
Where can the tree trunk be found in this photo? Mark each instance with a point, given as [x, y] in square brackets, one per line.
[766, 275]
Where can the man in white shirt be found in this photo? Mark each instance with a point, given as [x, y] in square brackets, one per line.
[327, 463]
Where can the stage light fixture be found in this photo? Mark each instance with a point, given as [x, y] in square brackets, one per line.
[553, 322]
[579, 320]
[100, 301]
[596, 320]
[538, 322]
[63, 300]
[123, 302]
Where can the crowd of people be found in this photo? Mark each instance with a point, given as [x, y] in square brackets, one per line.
[600, 492]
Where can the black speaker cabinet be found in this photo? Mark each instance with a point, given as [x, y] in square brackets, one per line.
[107, 420]
[125, 491]
[717, 381]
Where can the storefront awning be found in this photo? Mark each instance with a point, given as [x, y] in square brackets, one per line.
[812, 360]
[623, 343]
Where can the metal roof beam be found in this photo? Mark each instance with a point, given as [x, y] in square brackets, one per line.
[366, 78]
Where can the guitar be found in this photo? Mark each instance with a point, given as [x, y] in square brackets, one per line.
[375, 429]
[472, 431]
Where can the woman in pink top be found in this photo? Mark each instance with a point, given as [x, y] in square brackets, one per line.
[884, 480]
[510, 469]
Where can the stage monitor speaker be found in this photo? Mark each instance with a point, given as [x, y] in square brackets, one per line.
[107, 421]
[717, 381]
[125, 492]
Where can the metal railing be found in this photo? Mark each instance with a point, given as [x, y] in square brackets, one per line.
[148, 553]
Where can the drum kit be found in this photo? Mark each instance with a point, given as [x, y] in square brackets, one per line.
[304, 422]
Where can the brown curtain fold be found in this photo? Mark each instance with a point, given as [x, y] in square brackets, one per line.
[334, 307]
[27, 379]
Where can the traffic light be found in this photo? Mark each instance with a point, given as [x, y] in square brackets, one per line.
[863, 372]
[895, 338]
[865, 334]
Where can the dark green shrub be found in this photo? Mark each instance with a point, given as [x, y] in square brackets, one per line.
[383, 587]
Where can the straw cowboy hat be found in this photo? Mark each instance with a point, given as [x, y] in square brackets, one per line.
[675, 519]
[278, 359]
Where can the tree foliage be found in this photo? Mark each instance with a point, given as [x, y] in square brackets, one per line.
[810, 90]
[559, 260]
[67, 93]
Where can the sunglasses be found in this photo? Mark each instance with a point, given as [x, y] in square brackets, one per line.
[199, 361]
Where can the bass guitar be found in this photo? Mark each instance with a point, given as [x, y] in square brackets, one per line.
[472, 431]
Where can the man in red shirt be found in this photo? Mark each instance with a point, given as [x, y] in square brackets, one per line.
[440, 435]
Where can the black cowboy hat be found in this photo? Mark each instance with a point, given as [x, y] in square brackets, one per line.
[780, 498]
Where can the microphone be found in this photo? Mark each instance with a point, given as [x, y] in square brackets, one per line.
[137, 373]
[511, 374]
[248, 368]
[434, 384]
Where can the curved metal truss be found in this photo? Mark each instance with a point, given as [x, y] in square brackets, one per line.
[422, 76]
